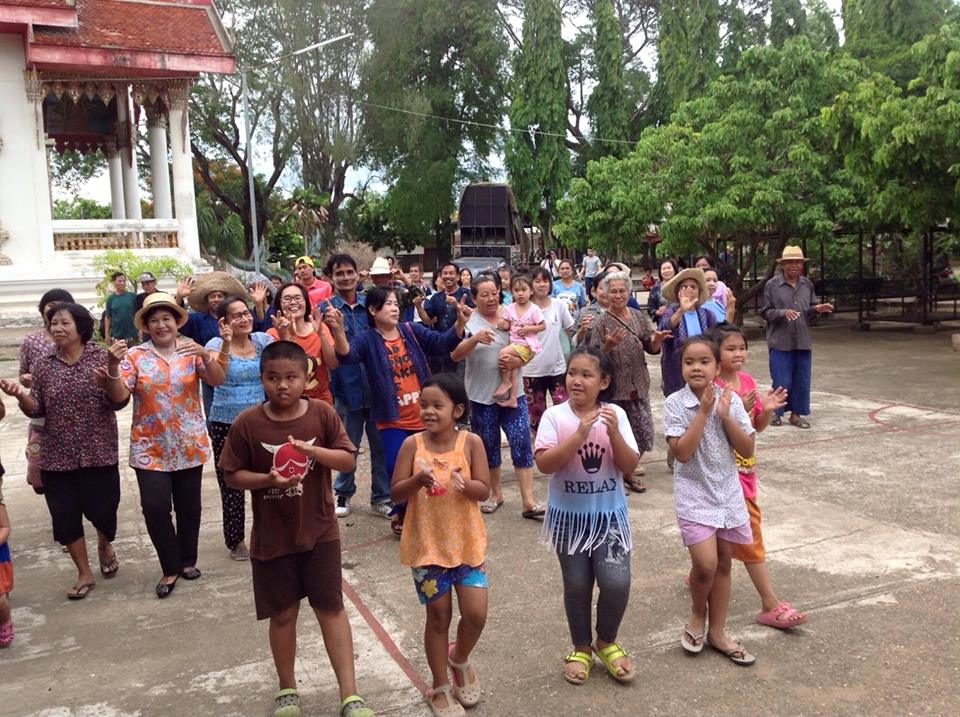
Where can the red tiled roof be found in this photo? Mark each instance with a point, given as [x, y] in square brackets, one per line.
[164, 27]
[36, 3]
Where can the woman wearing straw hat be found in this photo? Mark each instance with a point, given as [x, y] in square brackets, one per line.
[685, 316]
[789, 302]
[204, 294]
[168, 435]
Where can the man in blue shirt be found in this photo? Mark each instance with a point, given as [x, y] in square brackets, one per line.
[351, 391]
[440, 311]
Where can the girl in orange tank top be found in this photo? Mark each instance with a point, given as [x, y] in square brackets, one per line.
[442, 473]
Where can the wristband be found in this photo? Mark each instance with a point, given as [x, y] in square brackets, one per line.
[112, 377]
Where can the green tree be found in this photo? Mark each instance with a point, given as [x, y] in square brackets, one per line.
[688, 50]
[881, 32]
[433, 64]
[608, 102]
[787, 19]
[132, 265]
[821, 27]
[80, 208]
[751, 164]
[536, 156]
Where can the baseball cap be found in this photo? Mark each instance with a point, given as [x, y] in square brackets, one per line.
[146, 276]
[303, 260]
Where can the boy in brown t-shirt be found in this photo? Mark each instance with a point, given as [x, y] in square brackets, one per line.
[282, 451]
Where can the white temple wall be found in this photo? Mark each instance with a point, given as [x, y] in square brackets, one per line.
[24, 185]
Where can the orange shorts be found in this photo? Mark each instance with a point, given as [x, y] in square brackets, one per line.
[752, 552]
[6, 578]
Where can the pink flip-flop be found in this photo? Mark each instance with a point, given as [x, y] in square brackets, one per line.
[781, 617]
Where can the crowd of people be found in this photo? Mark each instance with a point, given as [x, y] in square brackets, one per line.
[280, 381]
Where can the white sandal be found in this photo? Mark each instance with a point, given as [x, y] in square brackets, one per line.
[453, 708]
[469, 694]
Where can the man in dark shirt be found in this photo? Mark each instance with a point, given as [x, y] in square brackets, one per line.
[148, 282]
[440, 310]
[789, 302]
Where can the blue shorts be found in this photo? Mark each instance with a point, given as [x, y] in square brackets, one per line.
[486, 422]
[434, 581]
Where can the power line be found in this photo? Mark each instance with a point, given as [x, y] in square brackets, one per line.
[498, 127]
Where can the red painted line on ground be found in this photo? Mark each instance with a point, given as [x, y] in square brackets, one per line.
[388, 644]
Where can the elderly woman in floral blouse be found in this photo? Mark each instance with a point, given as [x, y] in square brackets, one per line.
[33, 347]
[624, 334]
[78, 446]
[168, 436]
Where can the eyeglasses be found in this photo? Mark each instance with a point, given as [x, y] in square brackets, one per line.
[291, 299]
[241, 315]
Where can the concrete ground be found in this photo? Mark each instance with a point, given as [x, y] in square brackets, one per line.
[860, 520]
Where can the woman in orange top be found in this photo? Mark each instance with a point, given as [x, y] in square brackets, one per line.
[294, 320]
[442, 474]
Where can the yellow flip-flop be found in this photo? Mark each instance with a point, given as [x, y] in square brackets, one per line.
[585, 659]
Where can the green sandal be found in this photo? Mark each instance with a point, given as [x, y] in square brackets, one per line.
[354, 706]
[585, 659]
[608, 654]
[286, 703]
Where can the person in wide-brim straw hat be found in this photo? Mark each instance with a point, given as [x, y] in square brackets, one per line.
[669, 290]
[686, 293]
[159, 300]
[206, 284]
[792, 253]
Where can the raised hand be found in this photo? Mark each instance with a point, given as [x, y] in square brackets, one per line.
[823, 308]
[100, 376]
[279, 481]
[774, 399]
[283, 325]
[706, 399]
[226, 330]
[185, 286]
[116, 351]
[303, 446]
[451, 299]
[485, 336]
[657, 337]
[418, 299]
[333, 318]
[723, 403]
[503, 324]
[457, 480]
[259, 293]
[11, 388]
[614, 338]
[586, 423]
[189, 347]
[424, 474]
[791, 314]
[463, 311]
[609, 418]
[749, 400]
[688, 299]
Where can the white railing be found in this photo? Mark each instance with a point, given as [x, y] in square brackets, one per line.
[101, 234]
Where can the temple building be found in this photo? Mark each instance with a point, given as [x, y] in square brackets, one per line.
[79, 74]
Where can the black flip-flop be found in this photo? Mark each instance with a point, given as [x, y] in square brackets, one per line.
[535, 513]
[110, 568]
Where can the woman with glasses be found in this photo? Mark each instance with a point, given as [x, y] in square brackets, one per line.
[239, 349]
[294, 320]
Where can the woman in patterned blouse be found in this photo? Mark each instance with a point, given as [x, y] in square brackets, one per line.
[78, 451]
[33, 346]
[168, 434]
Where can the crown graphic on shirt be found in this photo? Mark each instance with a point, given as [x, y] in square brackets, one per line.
[591, 456]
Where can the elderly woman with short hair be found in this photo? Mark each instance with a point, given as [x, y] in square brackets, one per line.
[168, 436]
[78, 447]
[624, 334]
[33, 347]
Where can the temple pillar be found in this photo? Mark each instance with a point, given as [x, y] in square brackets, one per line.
[159, 167]
[117, 209]
[37, 178]
[184, 202]
[127, 136]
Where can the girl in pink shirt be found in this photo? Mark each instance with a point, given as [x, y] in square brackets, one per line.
[524, 320]
[733, 355]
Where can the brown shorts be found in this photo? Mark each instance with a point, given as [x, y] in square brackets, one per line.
[752, 552]
[285, 581]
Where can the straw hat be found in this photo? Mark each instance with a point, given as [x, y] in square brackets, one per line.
[159, 298]
[380, 267]
[214, 281]
[669, 290]
[792, 253]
